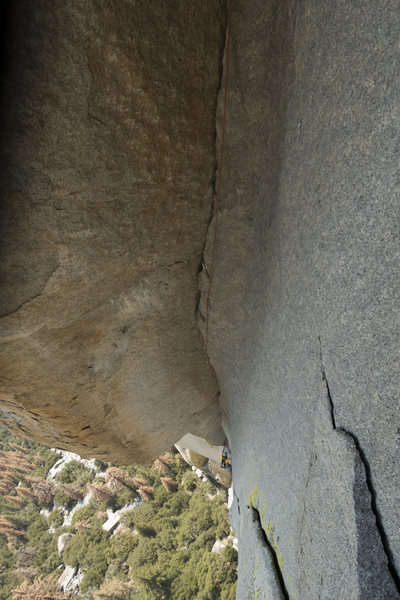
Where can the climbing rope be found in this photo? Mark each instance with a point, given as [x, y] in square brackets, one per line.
[221, 156]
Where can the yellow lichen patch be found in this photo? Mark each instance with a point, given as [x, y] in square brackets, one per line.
[254, 500]
[256, 591]
[253, 497]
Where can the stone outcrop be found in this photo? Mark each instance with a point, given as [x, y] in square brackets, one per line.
[62, 541]
[108, 162]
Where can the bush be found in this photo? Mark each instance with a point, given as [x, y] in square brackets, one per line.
[178, 503]
[230, 555]
[145, 553]
[146, 530]
[62, 499]
[8, 579]
[37, 529]
[142, 514]
[86, 513]
[121, 545]
[55, 518]
[96, 568]
[115, 589]
[121, 498]
[100, 465]
[189, 481]
[75, 472]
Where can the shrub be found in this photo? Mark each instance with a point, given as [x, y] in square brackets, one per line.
[230, 555]
[189, 481]
[86, 513]
[8, 579]
[63, 499]
[55, 518]
[37, 528]
[121, 545]
[145, 553]
[115, 589]
[75, 472]
[100, 465]
[143, 513]
[40, 588]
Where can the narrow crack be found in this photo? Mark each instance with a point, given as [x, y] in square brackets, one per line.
[89, 113]
[272, 552]
[368, 477]
[20, 306]
[202, 263]
[237, 500]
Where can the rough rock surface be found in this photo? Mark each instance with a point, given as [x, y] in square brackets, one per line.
[62, 541]
[107, 167]
[304, 319]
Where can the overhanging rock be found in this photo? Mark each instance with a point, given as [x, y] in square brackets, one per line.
[108, 122]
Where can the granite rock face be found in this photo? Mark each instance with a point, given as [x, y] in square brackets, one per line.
[304, 320]
[108, 125]
[62, 541]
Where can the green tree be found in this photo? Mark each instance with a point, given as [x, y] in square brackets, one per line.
[8, 579]
[121, 545]
[145, 553]
[75, 472]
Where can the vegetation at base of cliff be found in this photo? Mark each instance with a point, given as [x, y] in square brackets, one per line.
[160, 549]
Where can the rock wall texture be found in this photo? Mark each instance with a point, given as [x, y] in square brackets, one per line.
[304, 320]
[107, 168]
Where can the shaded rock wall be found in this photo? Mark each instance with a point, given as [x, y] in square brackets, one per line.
[108, 162]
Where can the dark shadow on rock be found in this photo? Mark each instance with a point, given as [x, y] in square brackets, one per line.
[374, 578]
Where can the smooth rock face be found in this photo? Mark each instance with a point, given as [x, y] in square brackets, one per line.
[304, 308]
[107, 164]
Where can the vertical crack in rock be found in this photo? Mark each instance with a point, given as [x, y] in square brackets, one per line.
[237, 500]
[89, 112]
[368, 477]
[272, 552]
[203, 267]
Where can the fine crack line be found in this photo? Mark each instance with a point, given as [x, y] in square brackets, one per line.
[89, 113]
[202, 264]
[20, 306]
[368, 477]
[324, 379]
[272, 552]
[237, 500]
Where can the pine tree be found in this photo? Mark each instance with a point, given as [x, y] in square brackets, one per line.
[169, 484]
[118, 478]
[71, 491]
[42, 588]
[139, 482]
[100, 492]
[146, 492]
[43, 490]
[16, 500]
[26, 556]
[161, 466]
[26, 493]
[81, 526]
[27, 573]
[115, 589]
